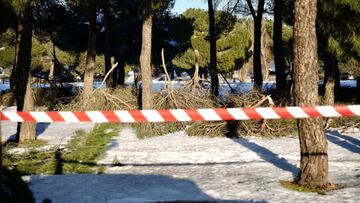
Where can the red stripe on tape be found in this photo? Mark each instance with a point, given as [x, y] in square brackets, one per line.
[252, 113]
[194, 114]
[111, 116]
[26, 116]
[167, 115]
[55, 116]
[3, 117]
[311, 111]
[224, 114]
[344, 111]
[82, 116]
[282, 112]
[137, 115]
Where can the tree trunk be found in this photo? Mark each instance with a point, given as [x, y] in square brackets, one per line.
[332, 78]
[120, 70]
[358, 85]
[257, 16]
[13, 72]
[24, 97]
[264, 59]
[278, 46]
[213, 59]
[108, 40]
[145, 62]
[196, 73]
[91, 52]
[28, 129]
[313, 144]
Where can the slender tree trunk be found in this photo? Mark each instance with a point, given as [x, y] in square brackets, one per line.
[108, 39]
[145, 62]
[213, 59]
[91, 52]
[120, 69]
[313, 144]
[258, 80]
[332, 78]
[278, 46]
[196, 73]
[24, 97]
[257, 16]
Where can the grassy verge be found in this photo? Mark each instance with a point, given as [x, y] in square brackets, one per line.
[79, 155]
[321, 191]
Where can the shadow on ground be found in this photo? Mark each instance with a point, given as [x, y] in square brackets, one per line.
[269, 156]
[118, 188]
[345, 141]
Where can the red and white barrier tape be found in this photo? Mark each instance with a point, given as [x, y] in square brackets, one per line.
[173, 115]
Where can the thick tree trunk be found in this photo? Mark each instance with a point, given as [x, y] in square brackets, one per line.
[91, 52]
[332, 78]
[278, 46]
[24, 97]
[145, 62]
[28, 129]
[213, 59]
[313, 144]
[108, 40]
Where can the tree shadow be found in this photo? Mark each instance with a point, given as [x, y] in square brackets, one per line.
[40, 129]
[119, 188]
[347, 142]
[269, 156]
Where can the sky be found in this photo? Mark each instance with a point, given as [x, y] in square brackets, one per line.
[182, 5]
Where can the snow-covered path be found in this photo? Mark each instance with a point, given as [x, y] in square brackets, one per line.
[177, 167]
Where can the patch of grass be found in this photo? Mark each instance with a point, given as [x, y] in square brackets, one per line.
[83, 151]
[321, 191]
[146, 130]
[33, 143]
[79, 156]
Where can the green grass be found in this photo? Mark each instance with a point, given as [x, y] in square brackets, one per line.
[146, 130]
[293, 186]
[79, 155]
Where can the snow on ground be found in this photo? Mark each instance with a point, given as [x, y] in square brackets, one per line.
[53, 134]
[178, 167]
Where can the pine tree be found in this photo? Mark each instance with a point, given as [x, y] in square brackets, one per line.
[313, 143]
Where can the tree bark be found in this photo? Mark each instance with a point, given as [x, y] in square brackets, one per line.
[145, 61]
[313, 144]
[24, 97]
[91, 51]
[196, 73]
[213, 59]
[278, 46]
[28, 129]
[257, 16]
[108, 39]
[332, 78]
[13, 72]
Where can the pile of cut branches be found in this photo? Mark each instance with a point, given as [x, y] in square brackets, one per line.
[104, 99]
[264, 128]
